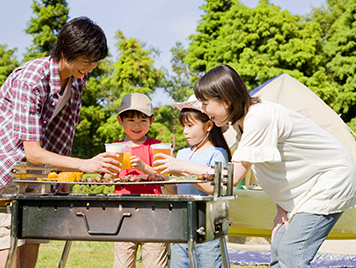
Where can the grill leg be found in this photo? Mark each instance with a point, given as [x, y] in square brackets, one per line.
[12, 252]
[65, 254]
[192, 251]
[14, 234]
[224, 253]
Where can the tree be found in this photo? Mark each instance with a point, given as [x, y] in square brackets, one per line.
[8, 62]
[132, 72]
[326, 15]
[179, 86]
[51, 16]
[201, 48]
[87, 141]
[260, 43]
[340, 48]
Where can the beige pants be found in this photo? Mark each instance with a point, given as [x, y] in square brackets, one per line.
[154, 255]
[5, 221]
[5, 225]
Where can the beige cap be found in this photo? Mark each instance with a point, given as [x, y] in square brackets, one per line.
[136, 101]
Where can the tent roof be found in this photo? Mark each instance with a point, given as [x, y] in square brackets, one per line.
[291, 93]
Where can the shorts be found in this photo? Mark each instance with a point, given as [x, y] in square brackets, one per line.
[5, 223]
[5, 231]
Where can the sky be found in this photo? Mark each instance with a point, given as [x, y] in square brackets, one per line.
[157, 23]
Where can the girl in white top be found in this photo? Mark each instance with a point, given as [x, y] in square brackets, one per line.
[307, 172]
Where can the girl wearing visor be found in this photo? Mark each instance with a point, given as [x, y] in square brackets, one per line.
[207, 146]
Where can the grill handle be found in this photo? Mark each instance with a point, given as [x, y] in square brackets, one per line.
[81, 214]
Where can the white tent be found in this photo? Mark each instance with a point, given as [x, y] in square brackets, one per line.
[291, 93]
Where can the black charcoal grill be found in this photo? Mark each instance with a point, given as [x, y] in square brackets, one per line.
[109, 217]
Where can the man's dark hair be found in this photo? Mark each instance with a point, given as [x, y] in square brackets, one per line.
[80, 37]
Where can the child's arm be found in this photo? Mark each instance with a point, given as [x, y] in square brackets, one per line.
[204, 187]
[178, 167]
[137, 163]
[171, 188]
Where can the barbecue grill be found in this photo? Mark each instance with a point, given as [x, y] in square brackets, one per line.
[113, 217]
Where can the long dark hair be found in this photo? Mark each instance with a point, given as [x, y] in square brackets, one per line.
[216, 136]
[80, 37]
[223, 84]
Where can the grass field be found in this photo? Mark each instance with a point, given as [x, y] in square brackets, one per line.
[85, 255]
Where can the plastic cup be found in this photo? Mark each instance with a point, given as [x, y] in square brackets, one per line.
[164, 148]
[124, 150]
[126, 162]
[118, 148]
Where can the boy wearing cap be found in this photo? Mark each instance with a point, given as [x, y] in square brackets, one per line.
[136, 116]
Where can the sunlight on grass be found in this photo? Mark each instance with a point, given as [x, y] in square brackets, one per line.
[87, 254]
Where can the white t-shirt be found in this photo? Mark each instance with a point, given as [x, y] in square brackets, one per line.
[300, 166]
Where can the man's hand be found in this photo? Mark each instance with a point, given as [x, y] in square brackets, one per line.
[103, 162]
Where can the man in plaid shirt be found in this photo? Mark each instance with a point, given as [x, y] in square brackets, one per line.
[39, 110]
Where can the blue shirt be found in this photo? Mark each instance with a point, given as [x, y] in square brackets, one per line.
[207, 158]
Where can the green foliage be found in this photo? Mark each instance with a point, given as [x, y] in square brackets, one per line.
[92, 189]
[8, 62]
[111, 130]
[201, 49]
[167, 116]
[352, 126]
[51, 15]
[260, 43]
[340, 47]
[133, 72]
[87, 140]
[179, 85]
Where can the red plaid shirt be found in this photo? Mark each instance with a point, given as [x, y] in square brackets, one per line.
[28, 99]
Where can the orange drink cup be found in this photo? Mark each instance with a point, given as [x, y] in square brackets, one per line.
[118, 148]
[124, 150]
[126, 162]
[164, 148]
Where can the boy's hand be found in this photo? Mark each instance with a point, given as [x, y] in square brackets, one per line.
[137, 163]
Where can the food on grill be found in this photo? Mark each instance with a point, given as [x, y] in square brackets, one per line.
[52, 175]
[43, 179]
[63, 177]
[96, 179]
[201, 177]
[78, 177]
[70, 176]
[128, 178]
[66, 177]
[207, 177]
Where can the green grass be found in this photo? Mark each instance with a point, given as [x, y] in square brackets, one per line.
[85, 254]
